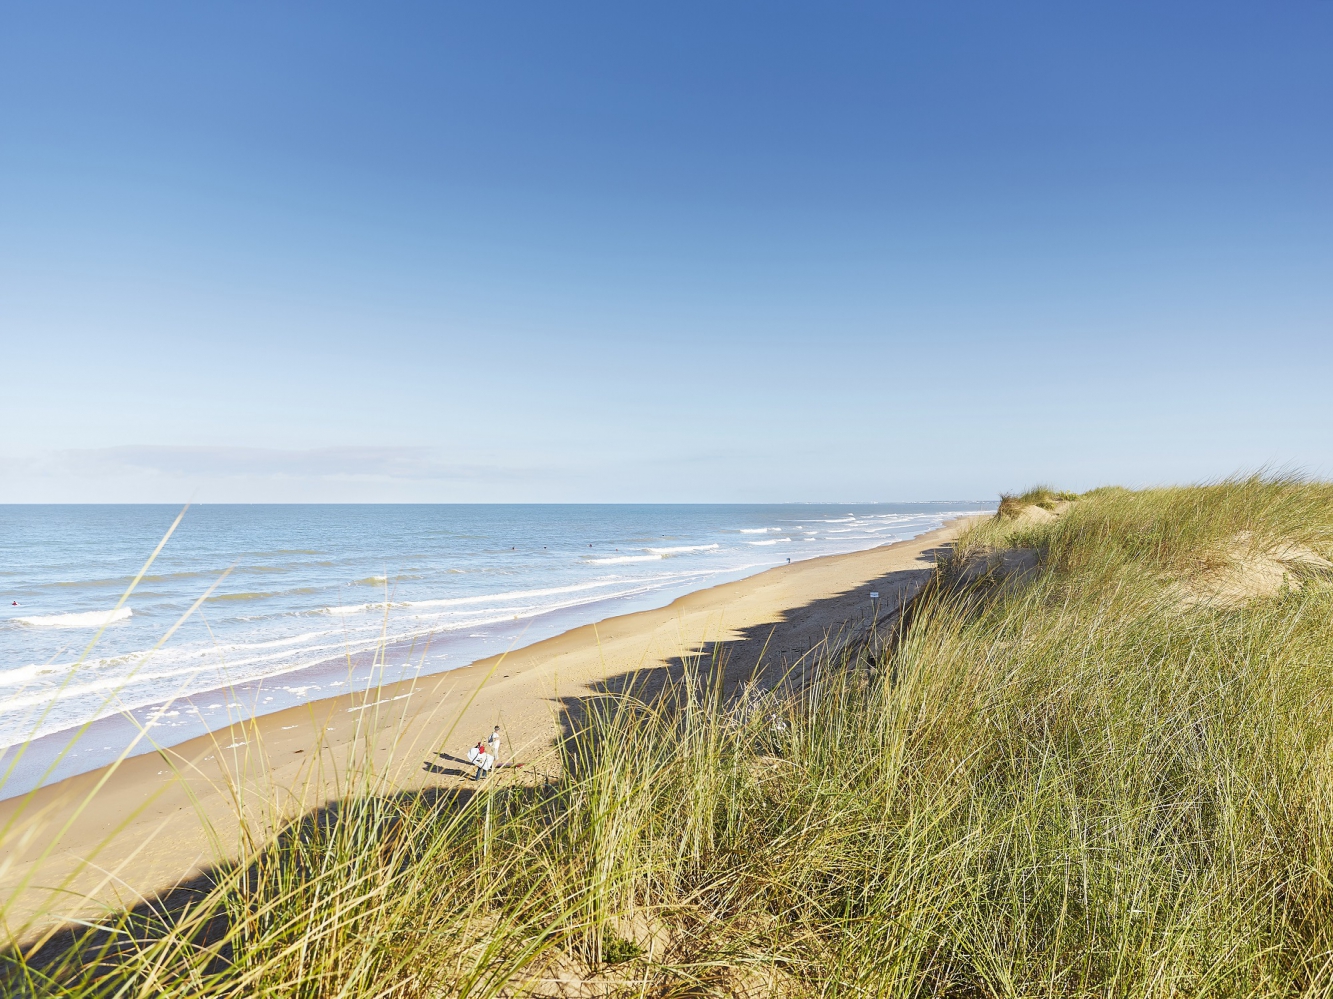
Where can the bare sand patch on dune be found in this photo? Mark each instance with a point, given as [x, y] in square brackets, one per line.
[1253, 572]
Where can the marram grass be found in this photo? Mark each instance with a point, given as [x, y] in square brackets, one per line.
[1072, 787]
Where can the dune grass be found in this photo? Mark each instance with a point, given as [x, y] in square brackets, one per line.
[1069, 788]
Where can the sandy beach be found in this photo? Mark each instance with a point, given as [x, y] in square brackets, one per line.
[119, 836]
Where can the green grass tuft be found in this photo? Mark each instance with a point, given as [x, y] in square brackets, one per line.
[618, 950]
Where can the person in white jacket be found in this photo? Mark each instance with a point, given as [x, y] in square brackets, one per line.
[483, 760]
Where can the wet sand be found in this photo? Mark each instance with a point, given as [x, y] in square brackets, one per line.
[120, 835]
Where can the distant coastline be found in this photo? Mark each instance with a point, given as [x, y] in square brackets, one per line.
[423, 714]
[400, 640]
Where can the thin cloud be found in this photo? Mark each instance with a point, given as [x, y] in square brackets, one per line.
[382, 464]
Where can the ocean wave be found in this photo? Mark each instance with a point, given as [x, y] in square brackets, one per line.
[22, 674]
[120, 582]
[770, 541]
[681, 549]
[144, 686]
[623, 559]
[340, 611]
[88, 619]
[483, 598]
[758, 530]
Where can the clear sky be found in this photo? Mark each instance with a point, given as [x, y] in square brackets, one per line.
[673, 252]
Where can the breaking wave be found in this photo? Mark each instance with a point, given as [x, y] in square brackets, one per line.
[88, 619]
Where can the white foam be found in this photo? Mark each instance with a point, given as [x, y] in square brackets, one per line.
[88, 619]
[624, 559]
[484, 598]
[682, 548]
[758, 530]
[22, 674]
[770, 541]
[352, 609]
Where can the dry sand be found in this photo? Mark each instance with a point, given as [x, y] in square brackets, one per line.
[118, 836]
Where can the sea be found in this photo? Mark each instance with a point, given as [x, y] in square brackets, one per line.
[249, 609]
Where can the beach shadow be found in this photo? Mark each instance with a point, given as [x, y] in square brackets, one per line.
[435, 768]
[846, 628]
[84, 953]
[453, 759]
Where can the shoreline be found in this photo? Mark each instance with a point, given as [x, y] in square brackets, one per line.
[82, 748]
[165, 816]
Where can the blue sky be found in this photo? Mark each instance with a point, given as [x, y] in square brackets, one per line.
[608, 252]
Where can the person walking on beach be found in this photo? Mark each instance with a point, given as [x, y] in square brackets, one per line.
[493, 743]
[484, 763]
[484, 760]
